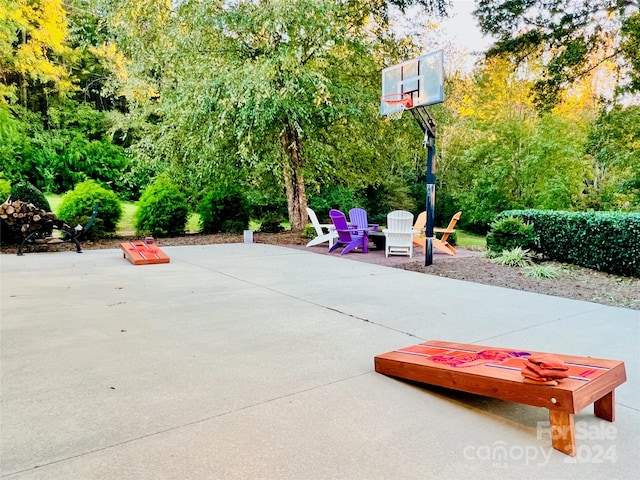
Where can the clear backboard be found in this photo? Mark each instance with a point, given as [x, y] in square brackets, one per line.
[421, 79]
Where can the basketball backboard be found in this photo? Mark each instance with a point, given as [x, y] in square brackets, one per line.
[421, 78]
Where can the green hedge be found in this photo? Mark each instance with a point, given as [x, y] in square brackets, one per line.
[605, 241]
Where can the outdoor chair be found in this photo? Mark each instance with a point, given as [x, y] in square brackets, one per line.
[349, 237]
[442, 244]
[324, 232]
[399, 233]
[358, 219]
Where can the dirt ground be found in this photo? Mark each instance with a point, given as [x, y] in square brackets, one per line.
[573, 282]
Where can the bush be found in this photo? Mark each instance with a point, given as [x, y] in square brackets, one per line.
[509, 233]
[26, 192]
[224, 209]
[605, 241]
[309, 231]
[78, 203]
[162, 210]
[271, 224]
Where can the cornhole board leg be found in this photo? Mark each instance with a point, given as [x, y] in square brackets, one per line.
[563, 432]
[141, 253]
[605, 407]
[591, 381]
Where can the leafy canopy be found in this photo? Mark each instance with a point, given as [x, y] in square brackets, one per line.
[574, 36]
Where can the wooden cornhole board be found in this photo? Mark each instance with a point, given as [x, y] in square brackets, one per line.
[495, 372]
[143, 253]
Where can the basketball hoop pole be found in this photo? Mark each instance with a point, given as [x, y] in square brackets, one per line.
[429, 128]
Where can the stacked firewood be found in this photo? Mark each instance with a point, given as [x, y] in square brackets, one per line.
[24, 217]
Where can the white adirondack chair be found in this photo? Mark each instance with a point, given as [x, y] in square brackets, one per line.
[399, 233]
[329, 236]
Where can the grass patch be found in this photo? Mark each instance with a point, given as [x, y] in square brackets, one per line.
[470, 240]
[54, 202]
[127, 223]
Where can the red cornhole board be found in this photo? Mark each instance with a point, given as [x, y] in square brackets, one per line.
[142, 253]
[495, 372]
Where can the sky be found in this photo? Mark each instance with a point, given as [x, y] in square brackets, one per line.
[462, 28]
[458, 35]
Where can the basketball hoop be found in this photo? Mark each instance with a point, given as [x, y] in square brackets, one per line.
[397, 103]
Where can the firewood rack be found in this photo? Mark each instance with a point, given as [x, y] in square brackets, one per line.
[40, 234]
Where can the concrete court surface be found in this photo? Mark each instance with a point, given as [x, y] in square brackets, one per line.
[252, 361]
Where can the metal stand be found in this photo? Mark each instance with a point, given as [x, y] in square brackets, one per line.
[429, 128]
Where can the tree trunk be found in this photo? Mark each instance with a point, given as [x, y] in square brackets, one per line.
[293, 178]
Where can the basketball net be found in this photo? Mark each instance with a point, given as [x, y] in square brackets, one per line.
[397, 115]
[397, 103]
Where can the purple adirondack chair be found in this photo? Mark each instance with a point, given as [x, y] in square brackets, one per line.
[350, 237]
[358, 219]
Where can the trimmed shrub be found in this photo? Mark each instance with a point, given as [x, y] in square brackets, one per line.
[509, 233]
[26, 192]
[224, 209]
[605, 241]
[162, 210]
[78, 204]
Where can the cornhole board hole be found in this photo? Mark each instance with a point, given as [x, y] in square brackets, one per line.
[143, 253]
[495, 372]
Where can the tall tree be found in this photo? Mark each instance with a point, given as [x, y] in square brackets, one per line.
[33, 37]
[223, 85]
[499, 153]
[575, 37]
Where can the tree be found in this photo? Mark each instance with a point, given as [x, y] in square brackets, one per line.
[234, 89]
[499, 153]
[614, 148]
[575, 37]
[33, 38]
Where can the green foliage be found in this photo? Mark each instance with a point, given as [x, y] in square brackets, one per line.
[72, 148]
[5, 189]
[500, 153]
[340, 198]
[510, 233]
[565, 33]
[271, 224]
[224, 209]
[516, 257]
[605, 241]
[613, 145]
[26, 192]
[80, 201]
[309, 232]
[391, 194]
[266, 202]
[162, 210]
[541, 271]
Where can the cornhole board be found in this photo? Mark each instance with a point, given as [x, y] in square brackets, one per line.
[142, 253]
[495, 372]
